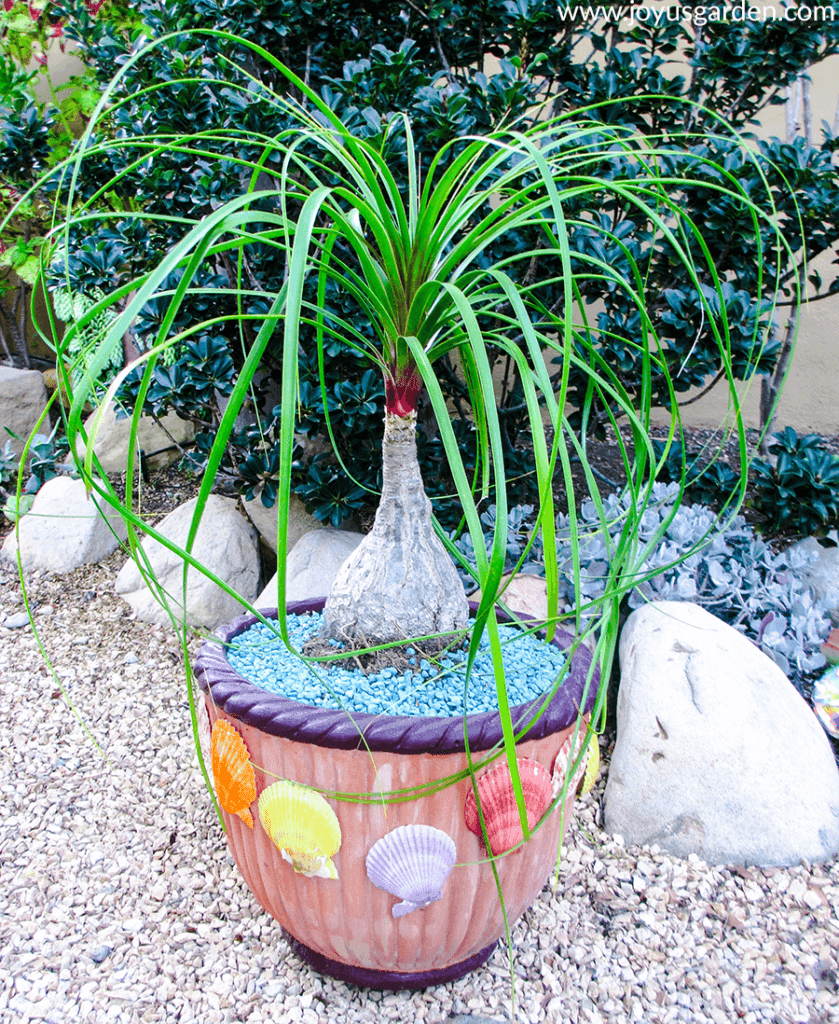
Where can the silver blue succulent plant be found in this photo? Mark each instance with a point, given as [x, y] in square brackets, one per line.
[731, 571]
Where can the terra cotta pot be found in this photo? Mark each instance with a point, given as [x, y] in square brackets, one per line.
[345, 928]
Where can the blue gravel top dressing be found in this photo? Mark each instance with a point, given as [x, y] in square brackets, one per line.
[430, 689]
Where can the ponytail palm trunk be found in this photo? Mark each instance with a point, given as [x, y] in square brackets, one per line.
[400, 582]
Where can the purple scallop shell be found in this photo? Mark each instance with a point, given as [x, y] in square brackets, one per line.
[412, 862]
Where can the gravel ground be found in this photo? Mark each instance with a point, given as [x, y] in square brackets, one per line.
[119, 902]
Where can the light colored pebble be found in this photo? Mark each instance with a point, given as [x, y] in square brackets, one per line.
[16, 621]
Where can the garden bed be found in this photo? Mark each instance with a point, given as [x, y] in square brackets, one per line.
[119, 897]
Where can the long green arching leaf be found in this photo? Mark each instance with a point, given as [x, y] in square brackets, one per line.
[172, 259]
[296, 278]
[516, 209]
[544, 464]
[485, 615]
[18, 556]
[319, 333]
[477, 400]
[228, 420]
[372, 274]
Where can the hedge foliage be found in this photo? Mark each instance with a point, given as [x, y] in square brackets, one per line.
[457, 69]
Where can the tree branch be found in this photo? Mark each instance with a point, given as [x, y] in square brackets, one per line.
[5, 344]
[791, 109]
[308, 69]
[770, 386]
[740, 98]
[705, 390]
[810, 298]
[808, 111]
[435, 35]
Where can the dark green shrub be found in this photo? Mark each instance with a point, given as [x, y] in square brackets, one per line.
[799, 495]
[707, 481]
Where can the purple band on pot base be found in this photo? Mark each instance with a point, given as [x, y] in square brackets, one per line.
[367, 977]
[397, 734]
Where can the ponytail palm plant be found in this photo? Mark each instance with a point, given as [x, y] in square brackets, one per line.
[417, 242]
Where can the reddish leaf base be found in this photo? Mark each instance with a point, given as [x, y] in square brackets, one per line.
[401, 394]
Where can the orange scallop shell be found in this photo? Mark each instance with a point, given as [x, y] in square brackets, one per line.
[232, 771]
[498, 803]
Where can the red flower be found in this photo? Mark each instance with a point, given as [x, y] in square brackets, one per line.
[34, 13]
[8, 4]
[2, 246]
[42, 59]
[93, 6]
[57, 30]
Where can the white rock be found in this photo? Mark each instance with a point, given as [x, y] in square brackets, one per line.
[312, 565]
[22, 400]
[113, 437]
[716, 754]
[525, 594]
[225, 544]
[65, 529]
[265, 520]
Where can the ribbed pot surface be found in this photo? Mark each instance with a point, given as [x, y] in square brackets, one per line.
[350, 920]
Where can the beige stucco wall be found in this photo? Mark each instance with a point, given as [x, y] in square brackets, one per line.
[810, 398]
[61, 65]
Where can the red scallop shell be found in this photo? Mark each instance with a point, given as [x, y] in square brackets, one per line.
[566, 756]
[498, 803]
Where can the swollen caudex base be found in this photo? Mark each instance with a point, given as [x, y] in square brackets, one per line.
[400, 582]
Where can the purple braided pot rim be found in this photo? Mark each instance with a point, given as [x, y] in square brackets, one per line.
[397, 734]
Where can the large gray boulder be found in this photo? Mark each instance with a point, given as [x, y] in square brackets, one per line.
[716, 753]
[113, 438]
[312, 565]
[22, 400]
[64, 529]
[225, 544]
[265, 520]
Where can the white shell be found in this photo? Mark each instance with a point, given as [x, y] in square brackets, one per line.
[412, 862]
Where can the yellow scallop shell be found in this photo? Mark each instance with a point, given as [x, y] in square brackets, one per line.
[303, 827]
[232, 771]
[592, 767]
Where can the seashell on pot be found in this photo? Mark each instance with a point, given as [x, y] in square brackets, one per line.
[592, 766]
[498, 803]
[233, 772]
[412, 862]
[303, 827]
[586, 772]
